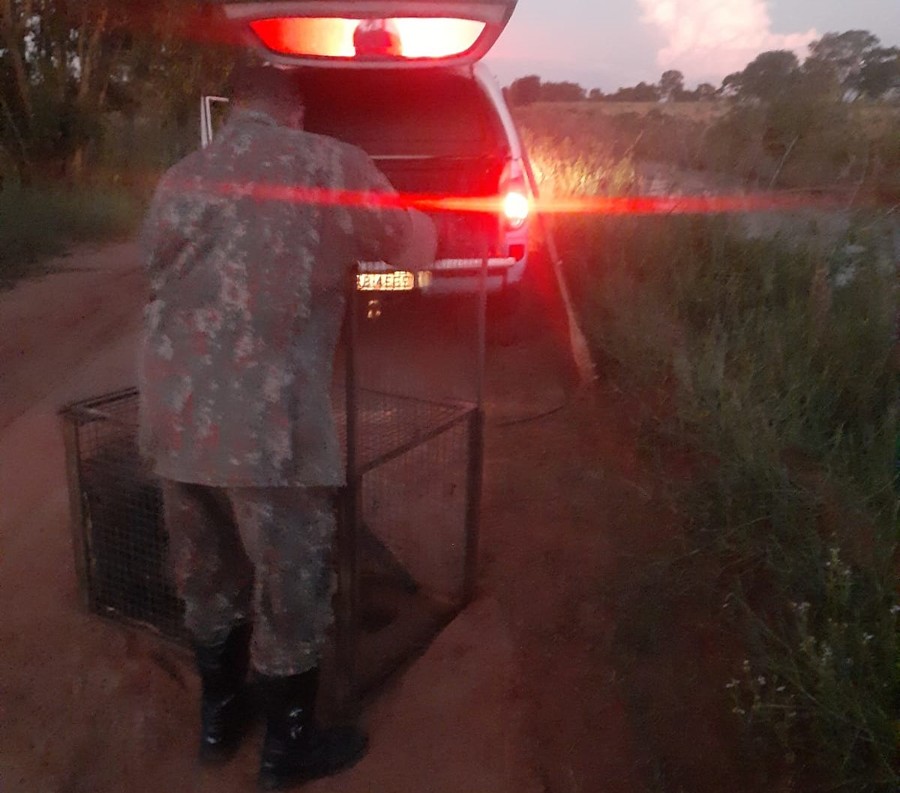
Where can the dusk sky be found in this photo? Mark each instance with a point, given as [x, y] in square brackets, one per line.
[612, 43]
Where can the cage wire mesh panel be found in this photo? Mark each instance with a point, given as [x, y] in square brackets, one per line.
[413, 401]
[413, 490]
[122, 539]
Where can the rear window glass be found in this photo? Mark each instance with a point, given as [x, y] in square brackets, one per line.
[403, 114]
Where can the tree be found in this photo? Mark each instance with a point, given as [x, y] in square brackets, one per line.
[64, 64]
[562, 92]
[768, 76]
[671, 85]
[642, 92]
[880, 74]
[525, 90]
[820, 79]
[596, 95]
[846, 54]
[705, 92]
[730, 85]
[59, 62]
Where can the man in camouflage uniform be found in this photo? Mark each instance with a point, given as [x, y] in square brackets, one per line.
[248, 250]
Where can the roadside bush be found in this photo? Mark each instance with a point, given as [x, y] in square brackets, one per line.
[136, 151]
[576, 166]
[38, 222]
[661, 133]
[884, 163]
[807, 143]
[776, 359]
[801, 141]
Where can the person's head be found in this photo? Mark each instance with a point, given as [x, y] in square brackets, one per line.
[269, 89]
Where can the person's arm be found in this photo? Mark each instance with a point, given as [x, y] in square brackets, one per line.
[404, 238]
[420, 246]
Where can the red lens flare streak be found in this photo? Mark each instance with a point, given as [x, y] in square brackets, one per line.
[495, 204]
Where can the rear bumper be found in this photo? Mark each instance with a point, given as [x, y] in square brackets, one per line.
[467, 279]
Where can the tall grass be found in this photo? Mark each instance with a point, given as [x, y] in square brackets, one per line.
[777, 358]
[40, 222]
[576, 164]
[801, 143]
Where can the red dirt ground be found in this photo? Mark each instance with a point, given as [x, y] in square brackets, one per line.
[525, 691]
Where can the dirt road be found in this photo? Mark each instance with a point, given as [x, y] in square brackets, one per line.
[518, 693]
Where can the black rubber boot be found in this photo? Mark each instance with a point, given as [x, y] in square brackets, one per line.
[295, 749]
[224, 704]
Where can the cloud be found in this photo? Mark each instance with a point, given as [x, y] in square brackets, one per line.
[707, 39]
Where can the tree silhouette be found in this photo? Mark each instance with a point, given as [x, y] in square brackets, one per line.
[562, 92]
[846, 54]
[671, 85]
[525, 90]
[65, 65]
[880, 74]
[768, 76]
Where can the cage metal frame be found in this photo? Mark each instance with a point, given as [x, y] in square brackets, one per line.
[348, 685]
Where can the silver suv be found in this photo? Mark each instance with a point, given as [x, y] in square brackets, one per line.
[402, 79]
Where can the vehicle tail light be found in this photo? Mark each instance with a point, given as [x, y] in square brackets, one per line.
[515, 194]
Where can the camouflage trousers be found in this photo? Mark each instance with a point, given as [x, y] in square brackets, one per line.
[259, 554]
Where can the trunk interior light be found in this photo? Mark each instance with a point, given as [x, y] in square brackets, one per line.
[377, 37]
[363, 39]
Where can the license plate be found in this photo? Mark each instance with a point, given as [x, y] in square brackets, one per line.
[394, 281]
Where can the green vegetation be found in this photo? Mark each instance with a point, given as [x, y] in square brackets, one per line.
[576, 164]
[94, 103]
[66, 75]
[36, 223]
[769, 364]
[799, 142]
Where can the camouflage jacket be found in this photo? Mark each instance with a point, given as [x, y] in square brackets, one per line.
[248, 263]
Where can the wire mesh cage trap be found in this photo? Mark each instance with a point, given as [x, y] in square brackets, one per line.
[408, 517]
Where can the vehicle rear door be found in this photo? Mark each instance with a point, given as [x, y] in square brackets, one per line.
[360, 34]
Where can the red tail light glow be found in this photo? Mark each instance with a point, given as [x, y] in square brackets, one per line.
[333, 37]
[516, 207]
[515, 195]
